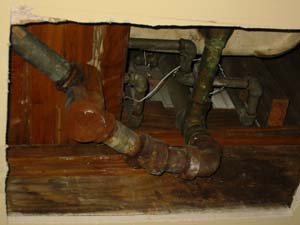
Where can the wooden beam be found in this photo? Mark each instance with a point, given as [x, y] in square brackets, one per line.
[92, 179]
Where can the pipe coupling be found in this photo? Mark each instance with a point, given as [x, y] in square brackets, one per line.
[187, 161]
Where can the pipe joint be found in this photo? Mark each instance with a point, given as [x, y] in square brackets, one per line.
[75, 77]
[188, 161]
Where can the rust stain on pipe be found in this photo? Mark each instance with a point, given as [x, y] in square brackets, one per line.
[88, 121]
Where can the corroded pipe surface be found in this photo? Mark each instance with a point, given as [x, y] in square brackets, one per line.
[44, 58]
[195, 118]
[188, 161]
[88, 121]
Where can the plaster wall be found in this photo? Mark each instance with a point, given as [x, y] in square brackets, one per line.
[279, 14]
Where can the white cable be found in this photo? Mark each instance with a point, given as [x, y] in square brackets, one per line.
[156, 87]
[219, 90]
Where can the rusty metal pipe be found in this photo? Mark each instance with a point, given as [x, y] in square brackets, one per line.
[195, 119]
[88, 121]
[44, 58]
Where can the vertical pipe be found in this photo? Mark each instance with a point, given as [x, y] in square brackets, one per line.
[179, 93]
[195, 120]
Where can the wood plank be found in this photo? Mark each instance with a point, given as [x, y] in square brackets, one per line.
[85, 179]
[278, 112]
[37, 113]
[45, 99]
[18, 102]
[235, 136]
[113, 63]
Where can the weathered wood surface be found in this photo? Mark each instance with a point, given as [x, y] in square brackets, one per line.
[113, 63]
[92, 179]
[224, 125]
[158, 117]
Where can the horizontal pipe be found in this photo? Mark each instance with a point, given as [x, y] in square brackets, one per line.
[230, 82]
[227, 82]
[154, 44]
[186, 49]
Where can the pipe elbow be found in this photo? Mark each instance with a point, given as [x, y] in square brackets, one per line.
[187, 161]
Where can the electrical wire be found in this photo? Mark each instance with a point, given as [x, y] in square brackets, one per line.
[156, 88]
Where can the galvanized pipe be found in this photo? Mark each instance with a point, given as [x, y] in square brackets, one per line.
[139, 83]
[195, 120]
[227, 82]
[44, 58]
[179, 93]
[154, 44]
[186, 48]
[247, 113]
[255, 91]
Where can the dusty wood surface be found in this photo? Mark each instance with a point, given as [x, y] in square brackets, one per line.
[92, 179]
[260, 167]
